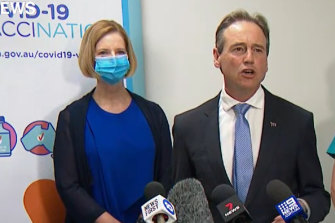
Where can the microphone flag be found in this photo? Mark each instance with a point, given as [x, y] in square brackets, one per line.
[290, 208]
[158, 205]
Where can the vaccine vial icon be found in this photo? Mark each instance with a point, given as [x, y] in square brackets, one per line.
[4, 139]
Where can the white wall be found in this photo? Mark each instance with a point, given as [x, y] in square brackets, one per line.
[178, 39]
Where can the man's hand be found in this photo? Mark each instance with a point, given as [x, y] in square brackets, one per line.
[278, 219]
[106, 218]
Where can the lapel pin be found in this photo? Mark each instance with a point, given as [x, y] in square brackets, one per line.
[273, 124]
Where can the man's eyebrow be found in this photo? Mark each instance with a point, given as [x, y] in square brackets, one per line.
[258, 45]
[237, 44]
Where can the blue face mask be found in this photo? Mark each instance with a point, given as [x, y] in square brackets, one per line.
[112, 69]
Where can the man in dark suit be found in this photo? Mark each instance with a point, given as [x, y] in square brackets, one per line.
[283, 141]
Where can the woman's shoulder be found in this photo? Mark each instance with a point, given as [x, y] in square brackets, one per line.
[80, 103]
[150, 109]
[141, 101]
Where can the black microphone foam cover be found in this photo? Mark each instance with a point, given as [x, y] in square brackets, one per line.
[222, 192]
[153, 189]
[189, 199]
[278, 191]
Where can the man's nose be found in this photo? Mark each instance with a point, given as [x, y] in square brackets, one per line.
[249, 56]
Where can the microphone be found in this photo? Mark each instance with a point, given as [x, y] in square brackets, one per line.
[157, 209]
[190, 201]
[229, 206]
[286, 203]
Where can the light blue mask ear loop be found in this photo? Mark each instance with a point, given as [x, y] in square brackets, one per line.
[112, 69]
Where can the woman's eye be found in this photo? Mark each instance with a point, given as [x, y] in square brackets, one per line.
[103, 53]
[120, 53]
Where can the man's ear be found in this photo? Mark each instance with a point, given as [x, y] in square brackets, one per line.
[216, 56]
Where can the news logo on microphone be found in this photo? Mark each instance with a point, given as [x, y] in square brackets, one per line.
[158, 205]
[230, 208]
[290, 208]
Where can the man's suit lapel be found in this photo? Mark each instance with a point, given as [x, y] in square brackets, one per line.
[212, 140]
[269, 140]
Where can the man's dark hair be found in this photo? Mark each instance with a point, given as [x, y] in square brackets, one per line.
[241, 15]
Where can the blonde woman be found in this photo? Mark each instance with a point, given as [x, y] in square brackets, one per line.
[110, 143]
